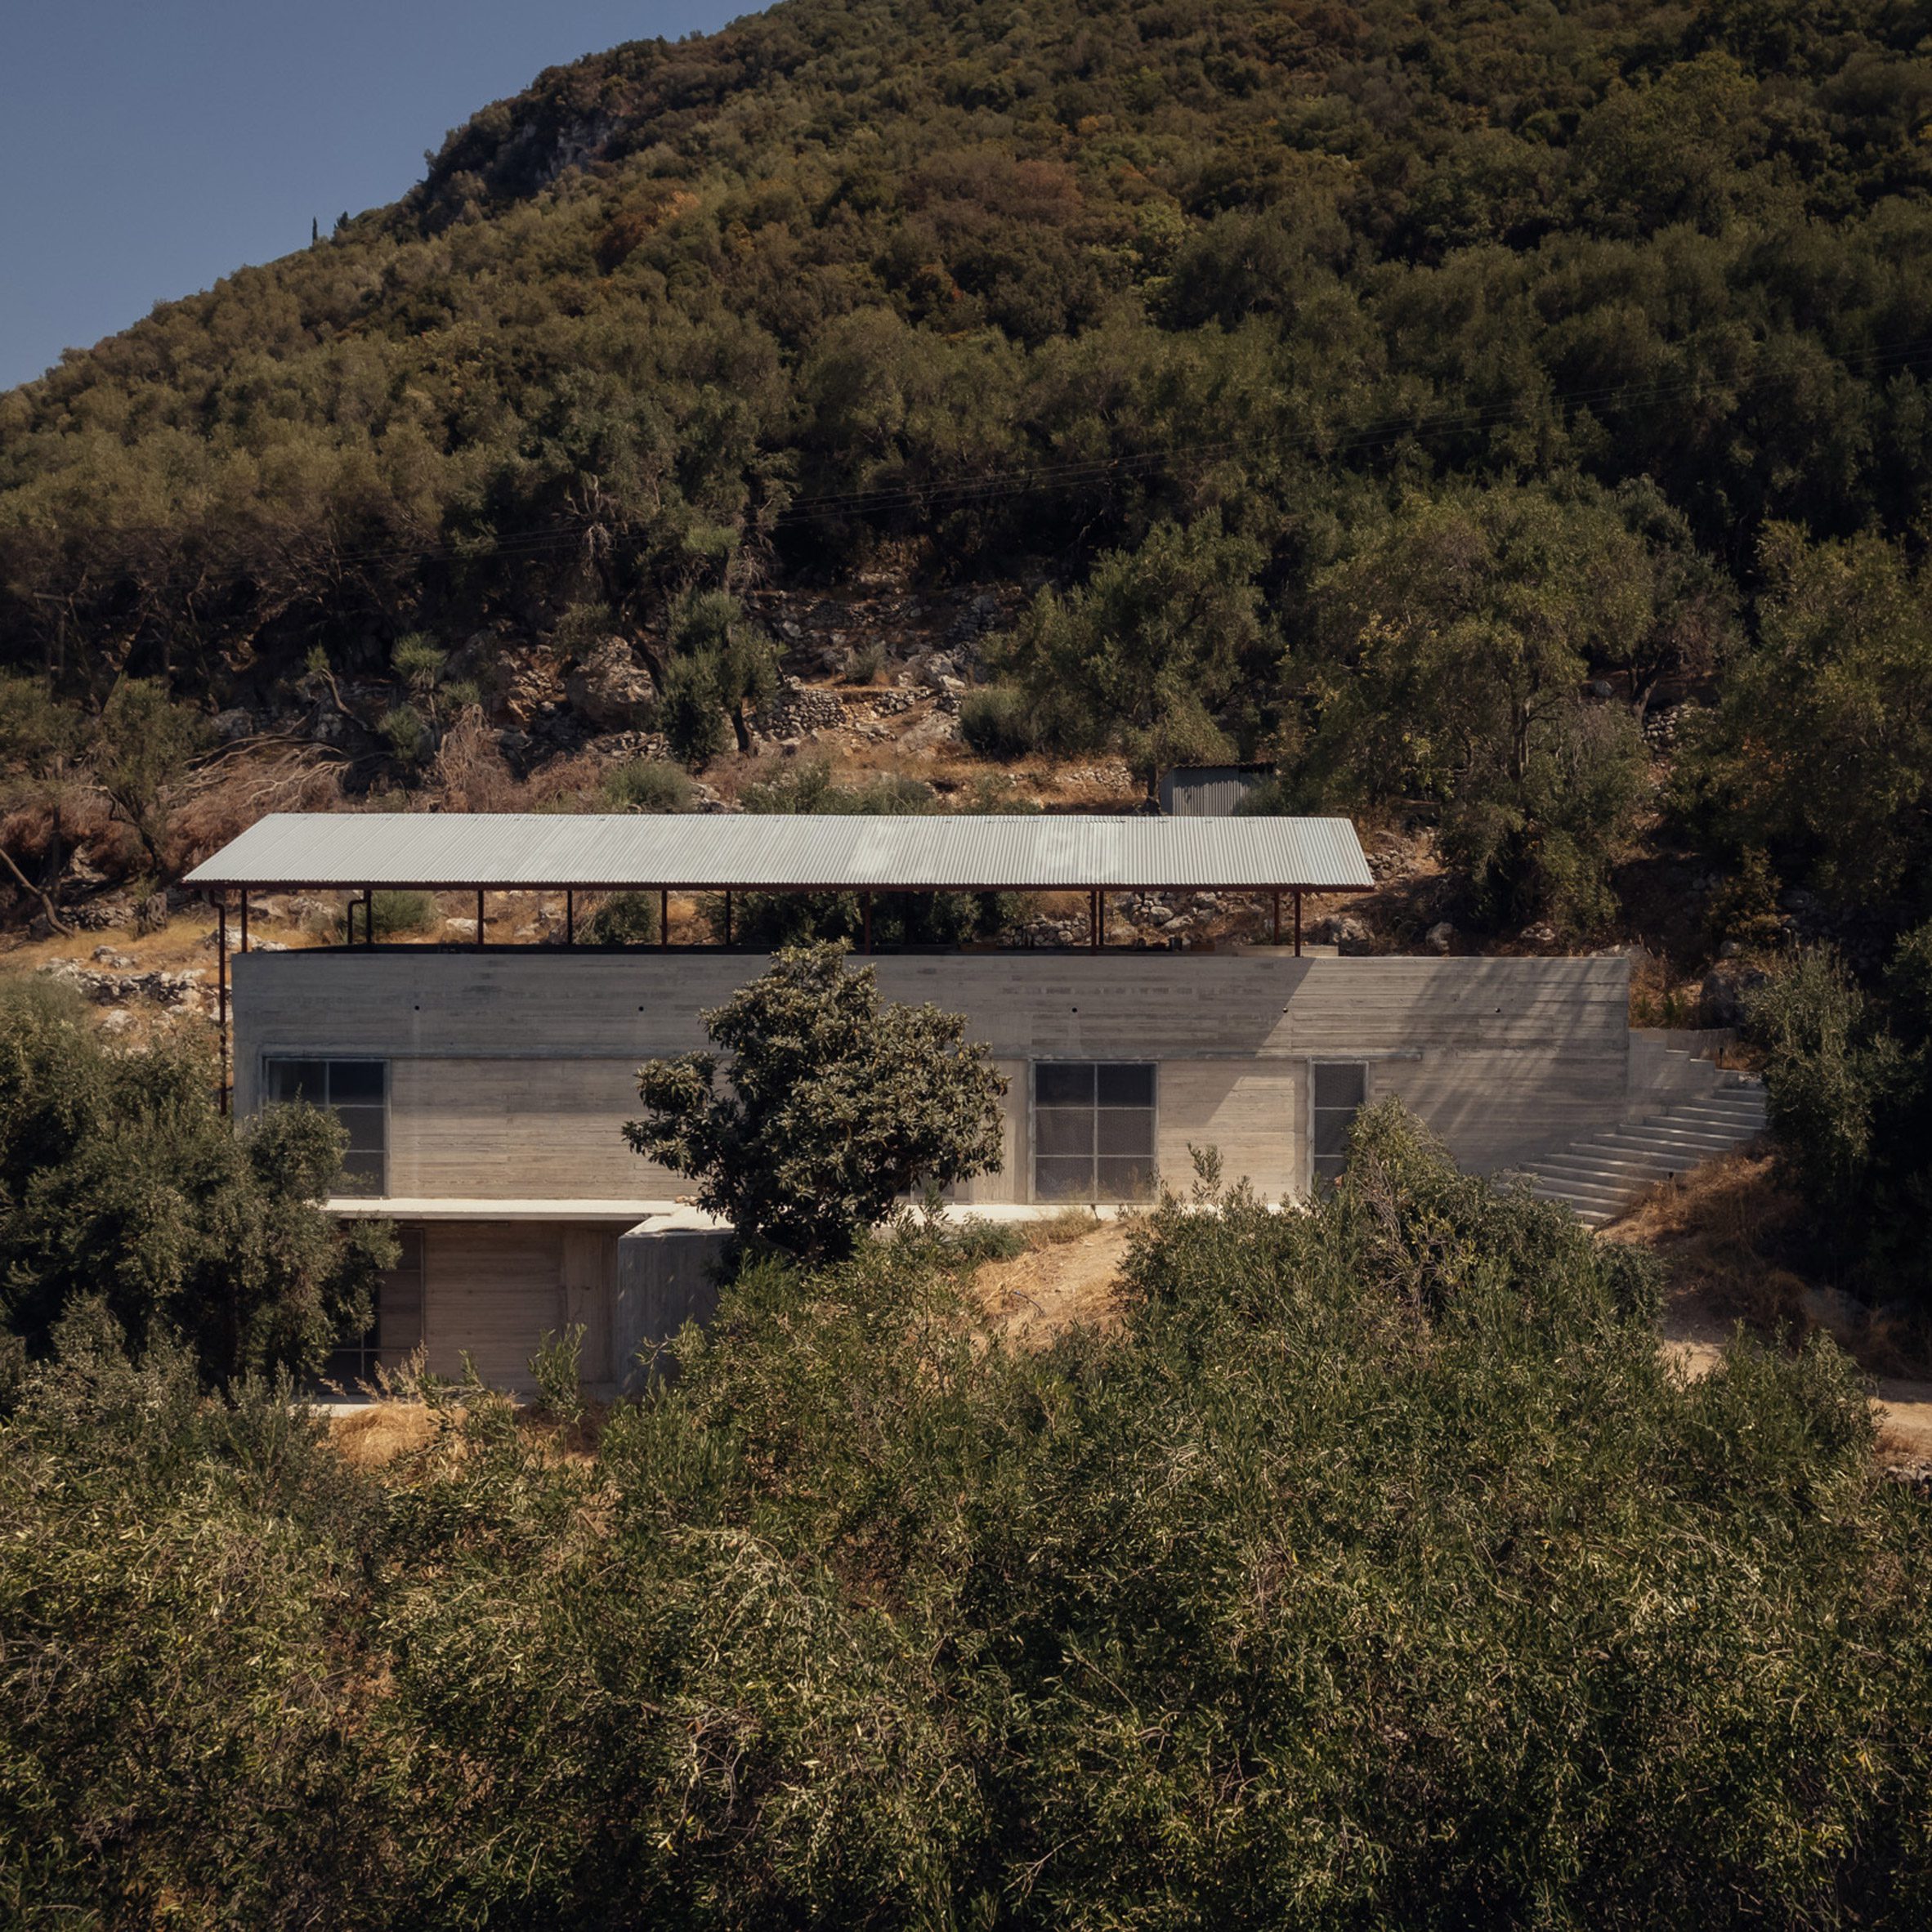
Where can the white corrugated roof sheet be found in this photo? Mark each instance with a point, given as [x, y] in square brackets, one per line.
[713, 851]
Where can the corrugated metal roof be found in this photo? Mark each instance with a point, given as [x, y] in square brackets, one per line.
[713, 851]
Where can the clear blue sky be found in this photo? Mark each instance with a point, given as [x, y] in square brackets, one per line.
[147, 147]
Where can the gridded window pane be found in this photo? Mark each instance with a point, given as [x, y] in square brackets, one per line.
[1340, 1085]
[397, 1331]
[1126, 1180]
[1092, 1132]
[1124, 1086]
[1339, 1090]
[1063, 1180]
[352, 1081]
[1059, 1130]
[1063, 1086]
[298, 1079]
[364, 1125]
[1125, 1130]
[352, 1090]
[362, 1173]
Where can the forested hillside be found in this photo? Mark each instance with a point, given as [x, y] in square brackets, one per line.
[1419, 399]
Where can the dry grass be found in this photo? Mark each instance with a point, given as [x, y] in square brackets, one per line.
[1723, 1232]
[373, 1437]
[1720, 1230]
[1070, 1274]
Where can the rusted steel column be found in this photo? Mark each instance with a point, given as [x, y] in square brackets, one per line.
[1277, 915]
[479, 915]
[1298, 922]
[221, 995]
[727, 918]
[664, 919]
[244, 913]
[867, 899]
[570, 918]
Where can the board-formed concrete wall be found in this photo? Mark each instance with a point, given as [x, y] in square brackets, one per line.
[512, 1071]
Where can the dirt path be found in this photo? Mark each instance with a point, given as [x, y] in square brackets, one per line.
[1036, 1295]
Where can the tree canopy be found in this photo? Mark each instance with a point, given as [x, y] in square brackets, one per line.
[122, 1183]
[839, 1106]
[1376, 1568]
[1106, 300]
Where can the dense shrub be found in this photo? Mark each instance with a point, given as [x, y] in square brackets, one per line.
[393, 914]
[121, 1182]
[1375, 1571]
[1848, 1077]
[644, 784]
[998, 722]
[624, 919]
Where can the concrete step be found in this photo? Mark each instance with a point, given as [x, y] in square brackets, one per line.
[1731, 1106]
[1602, 1167]
[1597, 1178]
[1580, 1194]
[1666, 1138]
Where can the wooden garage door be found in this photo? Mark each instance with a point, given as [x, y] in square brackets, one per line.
[492, 1288]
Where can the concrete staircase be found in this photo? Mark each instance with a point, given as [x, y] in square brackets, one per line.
[1600, 1177]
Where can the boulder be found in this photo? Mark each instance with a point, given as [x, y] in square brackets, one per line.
[1344, 933]
[1440, 937]
[610, 690]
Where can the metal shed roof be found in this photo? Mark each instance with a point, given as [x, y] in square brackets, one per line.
[716, 851]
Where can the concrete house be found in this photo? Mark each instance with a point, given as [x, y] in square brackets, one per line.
[484, 1085]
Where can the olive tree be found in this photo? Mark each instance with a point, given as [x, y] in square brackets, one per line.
[120, 1182]
[834, 1106]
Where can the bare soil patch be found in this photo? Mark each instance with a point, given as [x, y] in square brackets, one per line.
[1036, 1296]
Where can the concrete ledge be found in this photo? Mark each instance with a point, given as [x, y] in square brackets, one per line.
[449, 1207]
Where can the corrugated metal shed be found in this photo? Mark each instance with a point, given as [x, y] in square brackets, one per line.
[716, 851]
[1208, 791]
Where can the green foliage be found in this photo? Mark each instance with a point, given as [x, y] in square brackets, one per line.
[691, 710]
[556, 1369]
[720, 663]
[998, 722]
[1452, 642]
[1149, 648]
[644, 784]
[1028, 294]
[624, 919]
[1374, 1570]
[1821, 750]
[141, 747]
[838, 1106]
[1848, 1076]
[120, 1180]
[391, 913]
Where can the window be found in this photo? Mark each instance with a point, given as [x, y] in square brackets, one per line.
[1092, 1132]
[396, 1332]
[356, 1092]
[1340, 1089]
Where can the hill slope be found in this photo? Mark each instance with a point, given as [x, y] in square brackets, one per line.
[1572, 307]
